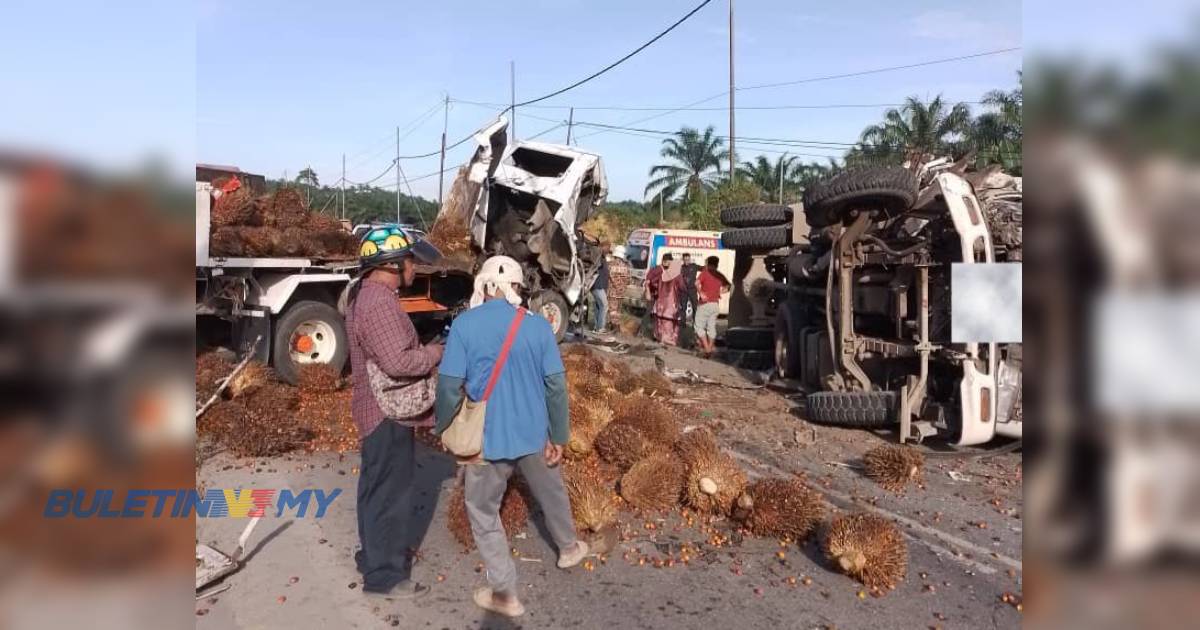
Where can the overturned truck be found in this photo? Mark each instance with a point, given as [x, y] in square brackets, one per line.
[527, 201]
[860, 291]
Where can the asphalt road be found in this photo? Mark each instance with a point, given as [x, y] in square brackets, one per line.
[963, 528]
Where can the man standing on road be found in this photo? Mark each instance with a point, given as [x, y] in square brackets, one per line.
[525, 427]
[600, 294]
[710, 285]
[380, 331]
[689, 271]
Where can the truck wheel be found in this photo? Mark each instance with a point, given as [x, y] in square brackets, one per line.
[759, 238]
[309, 332]
[553, 307]
[888, 188]
[757, 215]
[787, 346]
[861, 410]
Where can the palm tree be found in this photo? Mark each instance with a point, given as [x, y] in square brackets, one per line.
[996, 135]
[697, 161]
[773, 179]
[915, 132]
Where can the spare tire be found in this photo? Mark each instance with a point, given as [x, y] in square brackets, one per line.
[890, 189]
[758, 237]
[757, 215]
[861, 410]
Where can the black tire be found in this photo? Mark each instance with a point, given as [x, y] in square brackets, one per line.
[553, 307]
[297, 315]
[758, 215]
[750, 338]
[861, 410]
[787, 347]
[759, 238]
[890, 189]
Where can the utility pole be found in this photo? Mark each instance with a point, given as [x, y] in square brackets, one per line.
[782, 166]
[570, 122]
[661, 216]
[343, 185]
[512, 91]
[442, 160]
[397, 173]
[732, 151]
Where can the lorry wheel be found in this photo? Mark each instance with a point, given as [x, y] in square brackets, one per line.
[888, 188]
[861, 410]
[553, 307]
[787, 347]
[309, 332]
[757, 215]
[759, 238]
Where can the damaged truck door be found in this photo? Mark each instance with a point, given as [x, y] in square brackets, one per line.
[532, 199]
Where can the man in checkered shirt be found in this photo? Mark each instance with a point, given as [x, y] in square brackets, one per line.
[380, 331]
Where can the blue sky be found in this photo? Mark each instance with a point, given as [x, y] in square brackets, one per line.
[282, 85]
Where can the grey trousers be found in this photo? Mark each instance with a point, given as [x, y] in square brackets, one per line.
[485, 486]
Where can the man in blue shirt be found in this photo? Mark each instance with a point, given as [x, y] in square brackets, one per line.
[525, 427]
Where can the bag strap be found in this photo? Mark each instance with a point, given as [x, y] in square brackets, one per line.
[503, 356]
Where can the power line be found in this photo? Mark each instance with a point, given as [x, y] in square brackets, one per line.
[706, 109]
[617, 62]
[813, 80]
[376, 178]
[879, 70]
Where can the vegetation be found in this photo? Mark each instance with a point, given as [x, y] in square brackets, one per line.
[695, 165]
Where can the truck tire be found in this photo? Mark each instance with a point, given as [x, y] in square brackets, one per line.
[309, 332]
[861, 410]
[759, 238]
[750, 338]
[552, 306]
[888, 188]
[757, 215]
[787, 346]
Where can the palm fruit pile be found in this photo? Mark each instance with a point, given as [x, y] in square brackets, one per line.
[893, 467]
[868, 548]
[276, 225]
[592, 505]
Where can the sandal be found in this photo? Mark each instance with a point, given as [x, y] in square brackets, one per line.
[486, 599]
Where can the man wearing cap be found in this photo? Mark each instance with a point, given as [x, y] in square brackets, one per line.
[525, 427]
[381, 332]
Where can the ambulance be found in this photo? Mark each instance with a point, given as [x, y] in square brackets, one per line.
[646, 248]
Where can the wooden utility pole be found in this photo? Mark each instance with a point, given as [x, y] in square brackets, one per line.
[397, 173]
[512, 91]
[661, 216]
[782, 168]
[732, 150]
[570, 122]
[442, 160]
[343, 185]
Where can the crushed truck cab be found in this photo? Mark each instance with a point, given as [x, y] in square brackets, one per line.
[532, 199]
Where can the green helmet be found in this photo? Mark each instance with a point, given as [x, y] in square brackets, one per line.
[391, 243]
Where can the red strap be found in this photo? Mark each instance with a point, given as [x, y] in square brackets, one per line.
[503, 356]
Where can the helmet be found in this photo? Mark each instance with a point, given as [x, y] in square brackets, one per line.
[391, 243]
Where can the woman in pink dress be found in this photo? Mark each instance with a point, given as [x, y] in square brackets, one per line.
[666, 306]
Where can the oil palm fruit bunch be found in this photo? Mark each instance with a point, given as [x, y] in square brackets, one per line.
[697, 442]
[893, 467]
[780, 508]
[652, 417]
[622, 444]
[653, 483]
[713, 482]
[591, 499]
[868, 548]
